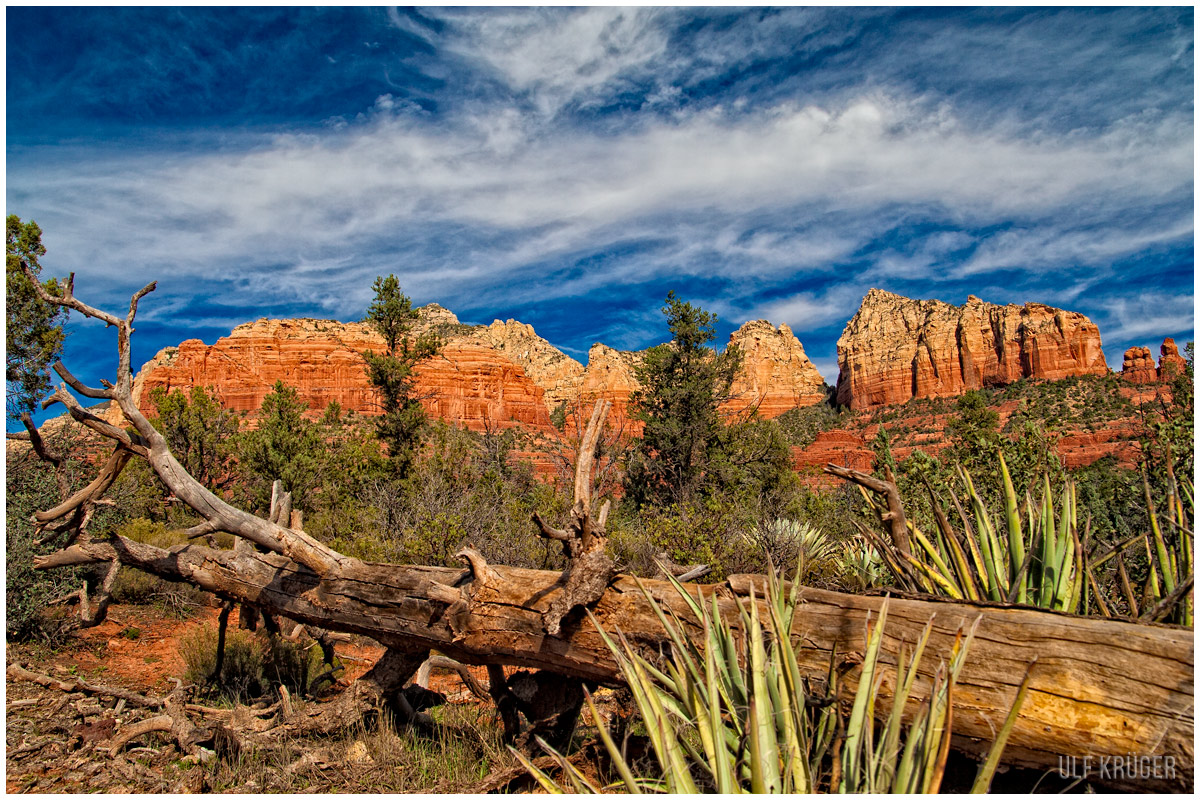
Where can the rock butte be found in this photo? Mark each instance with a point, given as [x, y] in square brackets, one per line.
[1138, 365]
[895, 348]
[485, 377]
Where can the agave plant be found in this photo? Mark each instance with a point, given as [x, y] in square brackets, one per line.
[733, 713]
[786, 540]
[1037, 556]
[861, 565]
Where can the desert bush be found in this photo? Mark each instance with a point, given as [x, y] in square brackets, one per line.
[254, 664]
[709, 531]
[464, 489]
[801, 425]
[241, 671]
[31, 485]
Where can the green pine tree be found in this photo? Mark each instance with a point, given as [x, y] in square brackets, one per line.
[285, 446]
[403, 420]
[200, 432]
[682, 385]
[33, 328]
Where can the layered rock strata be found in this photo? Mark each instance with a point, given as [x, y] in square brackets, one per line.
[839, 447]
[483, 377]
[896, 349]
[776, 374]
[611, 375]
[469, 382]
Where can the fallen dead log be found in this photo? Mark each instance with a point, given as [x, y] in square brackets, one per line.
[1102, 688]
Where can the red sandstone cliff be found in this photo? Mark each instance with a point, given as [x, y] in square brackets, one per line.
[896, 348]
[776, 374]
[489, 376]
[471, 382]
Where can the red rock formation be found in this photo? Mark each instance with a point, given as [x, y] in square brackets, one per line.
[559, 375]
[1138, 366]
[895, 348]
[468, 382]
[1170, 363]
[1118, 440]
[498, 375]
[776, 375]
[610, 375]
[837, 447]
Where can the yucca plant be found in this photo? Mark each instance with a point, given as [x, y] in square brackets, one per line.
[860, 565]
[1034, 553]
[786, 540]
[733, 713]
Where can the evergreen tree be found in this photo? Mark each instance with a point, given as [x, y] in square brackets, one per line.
[285, 446]
[33, 328]
[200, 432]
[391, 372]
[682, 385]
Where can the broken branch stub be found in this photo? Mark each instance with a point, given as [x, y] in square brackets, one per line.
[589, 568]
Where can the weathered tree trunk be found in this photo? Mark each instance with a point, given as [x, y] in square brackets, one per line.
[1101, 688]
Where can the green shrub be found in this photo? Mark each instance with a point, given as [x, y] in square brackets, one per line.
[710, 532]
[241, 676]
[254, 665]
[30, 487]
[465, 489]
[801, 425]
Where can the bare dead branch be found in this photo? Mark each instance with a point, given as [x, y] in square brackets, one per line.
[83, 416]
[894, 517]
[100, 485]
[472, 683]
[78, 385]
[550, 533]
[75, 684]
[203, 529]
[587, 453]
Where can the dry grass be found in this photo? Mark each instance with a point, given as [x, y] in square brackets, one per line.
[463, 750]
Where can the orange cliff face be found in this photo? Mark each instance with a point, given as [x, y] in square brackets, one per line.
[896, 349]
[776, 374]
[491, 376]
[471, 382]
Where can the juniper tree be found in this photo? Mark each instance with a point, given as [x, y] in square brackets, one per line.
[284, 446]
[33, 329]
[683, 383]
[201, 432]
[391, 372]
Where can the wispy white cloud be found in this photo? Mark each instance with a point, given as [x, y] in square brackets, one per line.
[397, 178]
[1143, 318]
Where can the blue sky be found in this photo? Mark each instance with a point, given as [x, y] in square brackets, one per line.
[567, 167]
